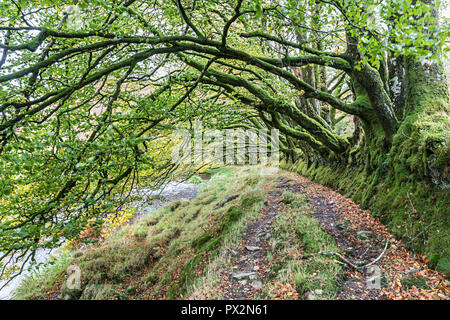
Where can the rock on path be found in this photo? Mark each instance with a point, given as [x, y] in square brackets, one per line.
[251, 260]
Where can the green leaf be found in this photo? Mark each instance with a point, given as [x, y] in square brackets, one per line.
[259, 9]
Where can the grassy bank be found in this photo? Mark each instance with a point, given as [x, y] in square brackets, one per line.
[162, 254]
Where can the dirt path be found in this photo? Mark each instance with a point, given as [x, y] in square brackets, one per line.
[251, 265]
[367, 249]
[357, 252]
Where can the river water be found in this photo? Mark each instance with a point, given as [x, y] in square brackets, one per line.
[151, 201]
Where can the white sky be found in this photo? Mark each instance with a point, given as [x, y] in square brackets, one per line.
[445, 12]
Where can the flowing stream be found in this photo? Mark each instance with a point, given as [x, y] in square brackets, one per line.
[151, 201]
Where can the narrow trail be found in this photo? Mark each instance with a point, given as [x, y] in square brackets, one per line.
[357, 252]
[250, 263]
[365, 241]
[362, 239]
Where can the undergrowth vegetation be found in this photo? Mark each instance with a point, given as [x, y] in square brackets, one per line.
[40, 282]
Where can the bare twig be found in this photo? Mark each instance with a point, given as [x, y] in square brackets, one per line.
[379, 257]
[332, 253]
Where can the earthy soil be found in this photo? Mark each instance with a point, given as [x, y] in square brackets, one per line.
[251, 266]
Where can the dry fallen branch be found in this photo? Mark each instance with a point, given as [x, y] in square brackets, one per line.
[350, 263]
[379, 257]
[328, 253]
